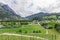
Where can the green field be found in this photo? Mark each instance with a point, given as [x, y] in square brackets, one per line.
[30, 29]
[16, 38]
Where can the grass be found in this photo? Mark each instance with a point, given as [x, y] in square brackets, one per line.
[24, 28]
[49, 37]
[31, 28]
[5, 37]
[52, 33]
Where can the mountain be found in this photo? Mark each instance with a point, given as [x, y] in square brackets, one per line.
[6, 13]
[39, 16]
[7, 8]
[30, 7]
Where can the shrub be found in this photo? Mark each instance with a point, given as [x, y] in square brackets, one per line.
[57, 27]
[33, 31]
[50, 27]
[37, 31]
[20, 30]
[25, 31]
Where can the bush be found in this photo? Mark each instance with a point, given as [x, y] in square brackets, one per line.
[57, 27]
[25, 31]
[33, 31]
[20, 30]
[50, 27]
[37, 31]
[24, 23]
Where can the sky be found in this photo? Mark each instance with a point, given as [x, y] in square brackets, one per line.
[28, 7]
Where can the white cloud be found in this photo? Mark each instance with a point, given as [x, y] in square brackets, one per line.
[29, 7]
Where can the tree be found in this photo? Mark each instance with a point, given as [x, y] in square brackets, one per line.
[20, 30]
[57, 27]
[35, 18]
[25, 31]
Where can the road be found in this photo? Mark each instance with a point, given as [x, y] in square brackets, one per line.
[24, 36]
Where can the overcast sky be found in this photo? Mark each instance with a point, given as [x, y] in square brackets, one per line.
[29, 7]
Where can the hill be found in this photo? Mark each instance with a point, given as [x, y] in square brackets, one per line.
[6, 13]
[39, 16]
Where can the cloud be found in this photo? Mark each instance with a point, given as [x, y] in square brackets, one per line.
[15, 2]
[29, 7]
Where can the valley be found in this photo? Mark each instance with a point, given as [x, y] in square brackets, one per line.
[30, 28]
[39, 26]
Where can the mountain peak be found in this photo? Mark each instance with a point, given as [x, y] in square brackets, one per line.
[1, 4]
[6, 13]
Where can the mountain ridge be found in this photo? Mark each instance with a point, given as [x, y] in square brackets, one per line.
[6, 13]
[41, 15]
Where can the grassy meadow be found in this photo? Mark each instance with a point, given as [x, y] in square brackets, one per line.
[30, 29]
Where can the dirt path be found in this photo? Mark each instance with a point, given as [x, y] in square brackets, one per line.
[24, 36]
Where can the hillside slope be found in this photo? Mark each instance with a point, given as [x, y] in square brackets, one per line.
[6, 13]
